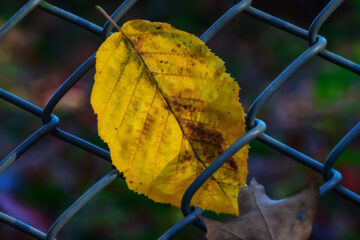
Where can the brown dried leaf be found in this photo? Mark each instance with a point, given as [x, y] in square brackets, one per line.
[263, 218]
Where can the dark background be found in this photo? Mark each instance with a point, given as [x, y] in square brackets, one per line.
[311, 113]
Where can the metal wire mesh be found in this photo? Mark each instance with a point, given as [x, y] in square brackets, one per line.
[256, 128]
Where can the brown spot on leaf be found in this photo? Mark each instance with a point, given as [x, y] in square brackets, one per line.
[202, 132]
[183, 106]
[137, 42]
[148, 122]
[210, 152]
[232, 163]
[185, 158]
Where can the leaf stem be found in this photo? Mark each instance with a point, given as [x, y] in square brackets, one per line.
[103, 12]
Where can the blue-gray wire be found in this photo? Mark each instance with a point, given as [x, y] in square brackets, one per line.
[256, 127]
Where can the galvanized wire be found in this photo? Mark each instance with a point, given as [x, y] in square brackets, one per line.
[256, 127]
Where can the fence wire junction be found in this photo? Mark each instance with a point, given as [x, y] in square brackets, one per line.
[256, 127]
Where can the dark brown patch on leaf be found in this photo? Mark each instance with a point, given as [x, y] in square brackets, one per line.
[182, 106]
[148, 122]
[231, 162]
[209, 152]
[202, 132]
[185, 157]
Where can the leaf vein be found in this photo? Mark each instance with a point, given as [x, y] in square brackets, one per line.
[172, 54]
[157, 151]
[116, 83]
[177, 163]
[179, 75]
[127, 107]
[263, 216]
[107, 60]
[159, 32]
[142, 131]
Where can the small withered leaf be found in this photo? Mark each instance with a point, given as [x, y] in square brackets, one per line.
[262, 218]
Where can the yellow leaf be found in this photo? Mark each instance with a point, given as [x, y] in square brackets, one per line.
[161, 96]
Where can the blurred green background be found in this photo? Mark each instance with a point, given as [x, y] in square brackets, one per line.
[311, 113]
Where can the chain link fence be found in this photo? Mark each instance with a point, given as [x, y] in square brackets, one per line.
[256, 127]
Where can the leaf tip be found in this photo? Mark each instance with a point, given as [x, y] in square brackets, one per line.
[253, 182]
